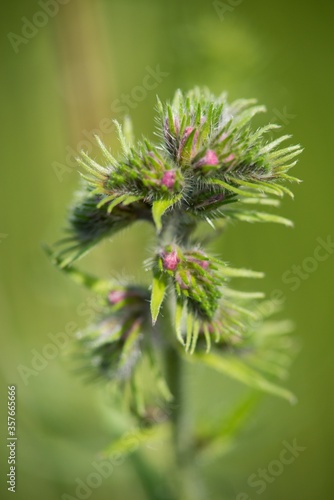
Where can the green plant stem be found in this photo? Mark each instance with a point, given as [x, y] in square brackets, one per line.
[187, 481]
[155, 486]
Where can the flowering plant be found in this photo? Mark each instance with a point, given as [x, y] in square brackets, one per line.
[208, 165]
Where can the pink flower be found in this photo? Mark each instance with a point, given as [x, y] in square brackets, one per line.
[168, 179]
[170, 260]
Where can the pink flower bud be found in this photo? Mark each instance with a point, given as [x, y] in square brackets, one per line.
[204, 264]
[116, 296]
[186, 134]
[170, 260]
[168, 179]
[210, 158]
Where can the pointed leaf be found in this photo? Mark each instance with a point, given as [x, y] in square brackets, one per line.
[158, 293]
[178, 321]
[234, 189]
[159, 208]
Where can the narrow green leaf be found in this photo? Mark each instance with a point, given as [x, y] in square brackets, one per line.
[196, 329]
[291, 178]
[247, 115]
[190, 323]
[131, 199]
[272, 145]
[92, 170]
[159, 286]
[229, 187]
[128, 131]
[240, 273]
[261, 201]
[188, 146]
[243, 295]
[94, 164]
[178, 321]
[106, 153]
[171, 125]
[116, 202]
[235, 368]
[105, 200]
[122, 139]
[254, 216]
[255, 185]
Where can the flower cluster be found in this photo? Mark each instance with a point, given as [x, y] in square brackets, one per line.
[208, 163]
[110, 347]
[199, 282]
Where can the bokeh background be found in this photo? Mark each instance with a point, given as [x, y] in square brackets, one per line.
[66, 78]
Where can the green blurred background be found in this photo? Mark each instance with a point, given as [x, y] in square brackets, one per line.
[60, 80]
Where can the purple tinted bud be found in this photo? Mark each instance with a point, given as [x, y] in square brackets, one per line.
[170, 260]
[186, 134]
[168, 179]
[116, 296]
[210, 158]
[204, 264]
